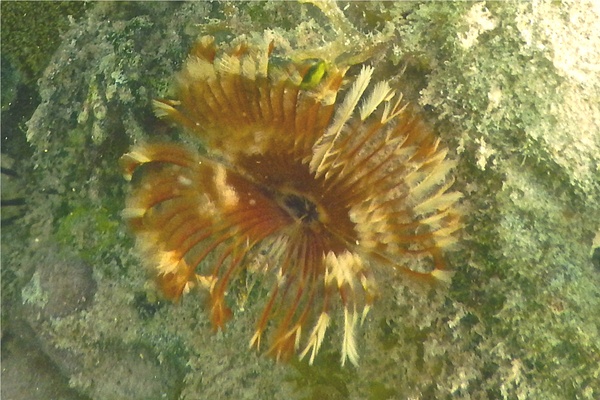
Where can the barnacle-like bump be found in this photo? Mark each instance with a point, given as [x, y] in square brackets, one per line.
[326, 190]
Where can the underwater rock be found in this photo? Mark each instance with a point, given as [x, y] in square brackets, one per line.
[132, 373]
[61, 285]
[27, 373]
[67, 284]
[516, 101]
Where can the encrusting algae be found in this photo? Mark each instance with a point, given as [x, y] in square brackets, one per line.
[322, 190]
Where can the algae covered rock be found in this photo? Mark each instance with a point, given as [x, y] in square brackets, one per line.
[511, 88]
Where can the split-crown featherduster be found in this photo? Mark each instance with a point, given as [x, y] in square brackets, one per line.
[322, 191]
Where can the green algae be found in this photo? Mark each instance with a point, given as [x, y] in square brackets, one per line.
[33, 294]
[31, 31]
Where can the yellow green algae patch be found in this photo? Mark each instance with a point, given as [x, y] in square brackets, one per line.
[31, 31]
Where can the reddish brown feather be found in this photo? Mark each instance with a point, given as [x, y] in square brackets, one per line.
[378, 198]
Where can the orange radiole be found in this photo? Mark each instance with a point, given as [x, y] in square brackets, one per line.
[321, 177]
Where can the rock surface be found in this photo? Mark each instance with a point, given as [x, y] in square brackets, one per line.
[512, 88]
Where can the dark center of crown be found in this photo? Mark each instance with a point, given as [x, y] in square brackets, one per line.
[300, 208]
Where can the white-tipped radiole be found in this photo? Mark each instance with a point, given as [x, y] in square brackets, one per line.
[349, 351]
[316, 337]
